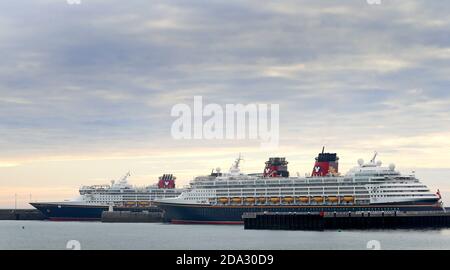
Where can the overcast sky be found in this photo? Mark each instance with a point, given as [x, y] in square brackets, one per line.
[86, 90]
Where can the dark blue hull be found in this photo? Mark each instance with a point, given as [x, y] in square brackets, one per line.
[232, 214]
[66, 212]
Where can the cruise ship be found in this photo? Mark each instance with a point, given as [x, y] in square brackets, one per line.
[118, 196]
[222, 198]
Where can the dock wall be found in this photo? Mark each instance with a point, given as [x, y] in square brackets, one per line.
[131, 217]
[336, 221]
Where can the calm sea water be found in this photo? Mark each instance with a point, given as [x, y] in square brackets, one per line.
[96, 235]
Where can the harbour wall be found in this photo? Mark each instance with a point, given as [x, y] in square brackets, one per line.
[21, 214]
[131, 217]
[355, 220]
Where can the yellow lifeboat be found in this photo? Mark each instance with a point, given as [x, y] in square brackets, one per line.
[223, 200]
[274, 200]
[130, 204]
[236, 200]
[288, 200]
[333, 199]
[318, 199]
[262, 200]
[348, 199]
[303, 199]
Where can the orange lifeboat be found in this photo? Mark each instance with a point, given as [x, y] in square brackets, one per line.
[303, 199]
[288, 200]
[274, 200]
[348, 199]
[223, 200]
[236, 200]
[318, 199]
[262, 200]
[333, 199]
[250, 200]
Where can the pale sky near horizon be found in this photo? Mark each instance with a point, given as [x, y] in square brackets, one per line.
[86, 90]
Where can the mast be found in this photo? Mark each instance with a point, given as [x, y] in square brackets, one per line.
[235, 167]
[374, 157]
[238, 160]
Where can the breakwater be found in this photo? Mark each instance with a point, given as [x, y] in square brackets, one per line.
[21, 214]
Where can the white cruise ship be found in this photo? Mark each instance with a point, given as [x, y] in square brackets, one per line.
[120, 196]
[224, 197]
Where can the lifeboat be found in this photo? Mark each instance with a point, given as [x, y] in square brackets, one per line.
[332, 199]
[274, 200]
[236, 200]
[250, 200]
[348, 199]
[318, 199]
[130, 204]
[262, 200]
[303, 199]
[223, 200]
[288, 200]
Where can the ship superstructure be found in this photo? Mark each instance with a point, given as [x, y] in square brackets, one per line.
[121, 193]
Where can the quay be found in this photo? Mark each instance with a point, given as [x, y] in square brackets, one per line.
[132, 217]
[21, 214]
[346, 220]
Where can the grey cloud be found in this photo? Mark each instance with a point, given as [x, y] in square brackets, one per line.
[106, 73]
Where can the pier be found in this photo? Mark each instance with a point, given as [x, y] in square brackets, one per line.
[21, 214]
[131, 217]
[346, 220]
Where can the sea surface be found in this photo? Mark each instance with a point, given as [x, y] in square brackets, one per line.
[41, 235]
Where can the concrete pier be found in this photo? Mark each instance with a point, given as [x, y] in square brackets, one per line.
[21, 214]
[355, 220]
[131, 217]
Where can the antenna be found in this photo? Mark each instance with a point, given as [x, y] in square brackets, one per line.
[323, 149]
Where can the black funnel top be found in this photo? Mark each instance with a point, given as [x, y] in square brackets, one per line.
[327, 157]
